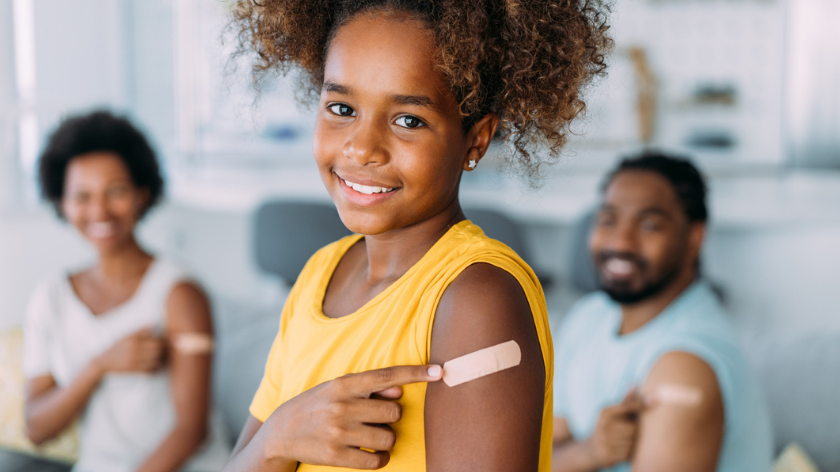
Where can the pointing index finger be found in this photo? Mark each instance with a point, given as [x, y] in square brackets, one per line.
[366, 383]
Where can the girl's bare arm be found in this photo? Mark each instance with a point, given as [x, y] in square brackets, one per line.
[492, 423]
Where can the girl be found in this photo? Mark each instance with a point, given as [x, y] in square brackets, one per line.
[411, 95]
[93, 339]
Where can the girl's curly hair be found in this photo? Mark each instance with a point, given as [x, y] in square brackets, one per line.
[526, 60]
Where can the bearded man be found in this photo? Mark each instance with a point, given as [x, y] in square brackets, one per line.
[649, 375]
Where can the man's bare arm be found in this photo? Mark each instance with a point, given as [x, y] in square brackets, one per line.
[679, 435]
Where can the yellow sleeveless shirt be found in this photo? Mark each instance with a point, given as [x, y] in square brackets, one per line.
[394, 328]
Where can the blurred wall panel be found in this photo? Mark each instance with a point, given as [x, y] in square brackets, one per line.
[152, 68]
[813, 98]
[8, 111]
[81, 52]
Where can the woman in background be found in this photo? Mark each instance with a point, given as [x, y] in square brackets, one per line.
[125, 343]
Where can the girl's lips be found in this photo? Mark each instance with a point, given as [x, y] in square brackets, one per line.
[363, 198]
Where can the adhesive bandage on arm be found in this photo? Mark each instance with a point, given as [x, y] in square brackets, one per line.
[482, 362]
[677, 394]
[193, 343]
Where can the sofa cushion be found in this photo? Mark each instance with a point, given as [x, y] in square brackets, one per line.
[64, 448]
[244, 336]
[801, 378]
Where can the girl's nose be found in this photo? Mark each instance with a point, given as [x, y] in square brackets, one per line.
[364, 145]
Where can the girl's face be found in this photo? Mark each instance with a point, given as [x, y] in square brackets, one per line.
[101, 200]
[388, 139]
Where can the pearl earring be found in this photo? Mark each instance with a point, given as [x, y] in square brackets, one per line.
[473, 163]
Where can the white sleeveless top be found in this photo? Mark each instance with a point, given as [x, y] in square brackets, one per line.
[129, 414]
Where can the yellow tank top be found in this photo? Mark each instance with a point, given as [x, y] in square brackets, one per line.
[394, 328]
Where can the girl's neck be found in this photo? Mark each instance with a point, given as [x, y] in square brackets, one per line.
[391, 254]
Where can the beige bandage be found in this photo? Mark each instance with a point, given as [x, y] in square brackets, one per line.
[678, 395]
[193, 343]
[482, 362]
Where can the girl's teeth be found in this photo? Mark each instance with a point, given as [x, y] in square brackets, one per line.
[366, 189]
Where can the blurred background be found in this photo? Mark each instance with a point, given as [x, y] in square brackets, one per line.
[749, 89]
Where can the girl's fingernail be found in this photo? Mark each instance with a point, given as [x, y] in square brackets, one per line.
[434, 371]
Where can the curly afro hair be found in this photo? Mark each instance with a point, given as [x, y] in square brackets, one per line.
[98, 131]
[527, 61]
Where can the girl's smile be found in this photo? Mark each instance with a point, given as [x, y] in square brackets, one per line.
[366, 195]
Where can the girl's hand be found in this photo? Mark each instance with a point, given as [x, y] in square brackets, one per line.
[141, 351]
[338, 422]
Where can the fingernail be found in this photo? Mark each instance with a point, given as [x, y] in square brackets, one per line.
[434, 371]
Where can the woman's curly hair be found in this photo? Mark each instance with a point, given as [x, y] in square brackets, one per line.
[526, 60]
[98, 131]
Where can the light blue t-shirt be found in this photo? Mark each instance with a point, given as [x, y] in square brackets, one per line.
[595, 367]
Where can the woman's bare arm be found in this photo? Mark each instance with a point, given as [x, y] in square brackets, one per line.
[50, 409]
[188, 311]
[492, 423]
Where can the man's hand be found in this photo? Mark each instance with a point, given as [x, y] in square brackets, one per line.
[615, 433]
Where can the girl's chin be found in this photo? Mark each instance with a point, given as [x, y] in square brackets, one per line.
[361, 222]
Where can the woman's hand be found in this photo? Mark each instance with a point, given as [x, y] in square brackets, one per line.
[141, 351]
[338, 422]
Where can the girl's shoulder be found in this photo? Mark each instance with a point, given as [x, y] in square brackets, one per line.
[472, 245]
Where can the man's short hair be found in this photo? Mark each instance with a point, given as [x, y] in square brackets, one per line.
[687, 181]
[98, 131]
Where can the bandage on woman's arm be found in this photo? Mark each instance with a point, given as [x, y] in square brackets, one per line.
[491, 423]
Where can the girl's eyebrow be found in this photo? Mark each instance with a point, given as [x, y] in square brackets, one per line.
[414, 100]
[333, 87]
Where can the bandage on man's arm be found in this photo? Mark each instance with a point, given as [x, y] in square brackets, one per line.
[676, 394]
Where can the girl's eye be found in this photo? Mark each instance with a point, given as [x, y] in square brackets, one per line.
[341, 109]
[410, 122]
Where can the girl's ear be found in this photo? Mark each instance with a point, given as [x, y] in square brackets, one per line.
[480, 137]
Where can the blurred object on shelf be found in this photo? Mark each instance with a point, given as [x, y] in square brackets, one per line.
[646, 83]
[711, 139]
[708, 93]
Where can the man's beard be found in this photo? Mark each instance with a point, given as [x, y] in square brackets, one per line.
[621, 292]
